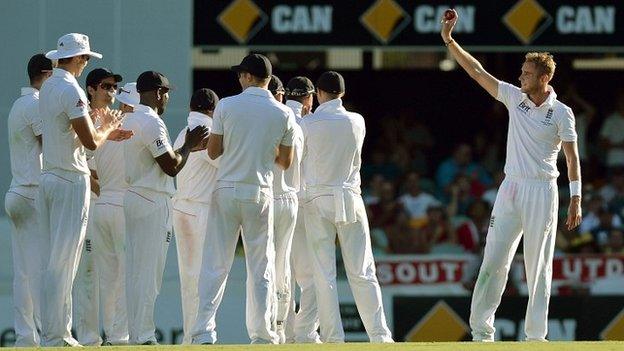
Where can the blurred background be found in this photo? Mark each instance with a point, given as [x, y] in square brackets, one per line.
[435, 145]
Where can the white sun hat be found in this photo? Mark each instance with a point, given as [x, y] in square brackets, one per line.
[70, 45]
[128, 95]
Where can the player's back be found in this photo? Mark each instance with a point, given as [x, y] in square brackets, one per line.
[333, 152]
[253, 125]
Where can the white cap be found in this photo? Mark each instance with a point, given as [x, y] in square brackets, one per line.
[70, 45]
[128, 95]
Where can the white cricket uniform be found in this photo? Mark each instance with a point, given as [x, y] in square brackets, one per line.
[333, 140]
[526, 203]
[148, 212]
[302, 325]
[253, 125]
[24, 125]
[191, 203]
[62, 202]
[108, 226]
[86, 287]
[286, 185]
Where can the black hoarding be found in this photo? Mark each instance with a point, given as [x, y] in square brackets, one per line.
[567, 25]
[570, 318]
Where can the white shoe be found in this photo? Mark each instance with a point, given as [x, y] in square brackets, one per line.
[281, 334]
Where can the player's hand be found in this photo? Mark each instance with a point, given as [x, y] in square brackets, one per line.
[447, 26]
[120, 135]
[574, 213]
[109, 119]
[195, 138]
[203, 145]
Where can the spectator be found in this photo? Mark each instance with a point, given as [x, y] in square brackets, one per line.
[492, 191]
[584, 114]
[591, 221]
[438, 228]
[613, 193]
[404, 238]
[379, 165]
[384, 213]
[471, 232]
[616, 242]
[607, 222]
[461, 163]
[415, 201]
[461, 195]
[372, 192]
[612, 135]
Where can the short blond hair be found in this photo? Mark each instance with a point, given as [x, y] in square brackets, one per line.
[544, 62]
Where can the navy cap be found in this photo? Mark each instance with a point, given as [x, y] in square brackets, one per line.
[256, 64]
[275, 85]
[299, 86]
[151, 80]
[204, 99]
[331, 82]
[97, 75]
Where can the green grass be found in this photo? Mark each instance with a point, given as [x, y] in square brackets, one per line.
[439, 346]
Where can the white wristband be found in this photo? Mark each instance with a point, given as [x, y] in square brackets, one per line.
[575, 188]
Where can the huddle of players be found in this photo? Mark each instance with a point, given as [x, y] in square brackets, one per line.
[114, 213]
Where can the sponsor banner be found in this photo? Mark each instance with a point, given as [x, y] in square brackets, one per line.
[572, 25]
[426, 319]
[425, 269]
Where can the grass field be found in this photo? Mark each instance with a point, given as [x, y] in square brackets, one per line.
[439, 346]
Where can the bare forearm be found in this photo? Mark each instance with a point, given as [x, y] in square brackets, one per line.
[465, 60]
[574, 169]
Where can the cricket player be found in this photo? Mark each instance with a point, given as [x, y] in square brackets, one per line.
[150, 165]
[333, 140]
[101, 87]
[527, 201]
[191, 203]
[107, 224]
[286, 184]
[128, 97]
[276, 87]
[252, 131]
[24, 132]
[63, 199]
[301, 327]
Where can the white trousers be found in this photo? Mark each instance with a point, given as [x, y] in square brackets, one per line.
[232, 208]
[148, 234]
[63, 205]
[87, 291]
[109, 237]
[302, 325]
[356, 250]
[526, 207]
[27, 265]
[285, 218]
[190, 220]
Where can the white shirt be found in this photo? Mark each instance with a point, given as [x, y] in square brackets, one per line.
[289, 181]
[24, 125]
[535, 133]
[197, 179]
[150, 140]
[253, 125]
[333, 140]
[61, 99]
[613, 130]
[109, 163]
[417, 205]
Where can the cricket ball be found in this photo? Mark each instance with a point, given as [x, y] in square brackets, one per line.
[449, 14]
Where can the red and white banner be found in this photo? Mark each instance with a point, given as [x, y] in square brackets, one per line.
[424, 269]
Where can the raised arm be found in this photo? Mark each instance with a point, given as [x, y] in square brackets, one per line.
[466, 61]
[92, 137]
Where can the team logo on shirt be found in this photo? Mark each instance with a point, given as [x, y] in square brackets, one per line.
[523, 107]
[492, 221]
[548, 120]
[168, 237]
[159, 144]
[80, 103]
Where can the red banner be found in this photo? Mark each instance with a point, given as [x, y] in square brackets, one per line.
[588, 268]
[411, 270]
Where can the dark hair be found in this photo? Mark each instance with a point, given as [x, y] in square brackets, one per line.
[64, 60]
[298, 98]
[37, 65]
